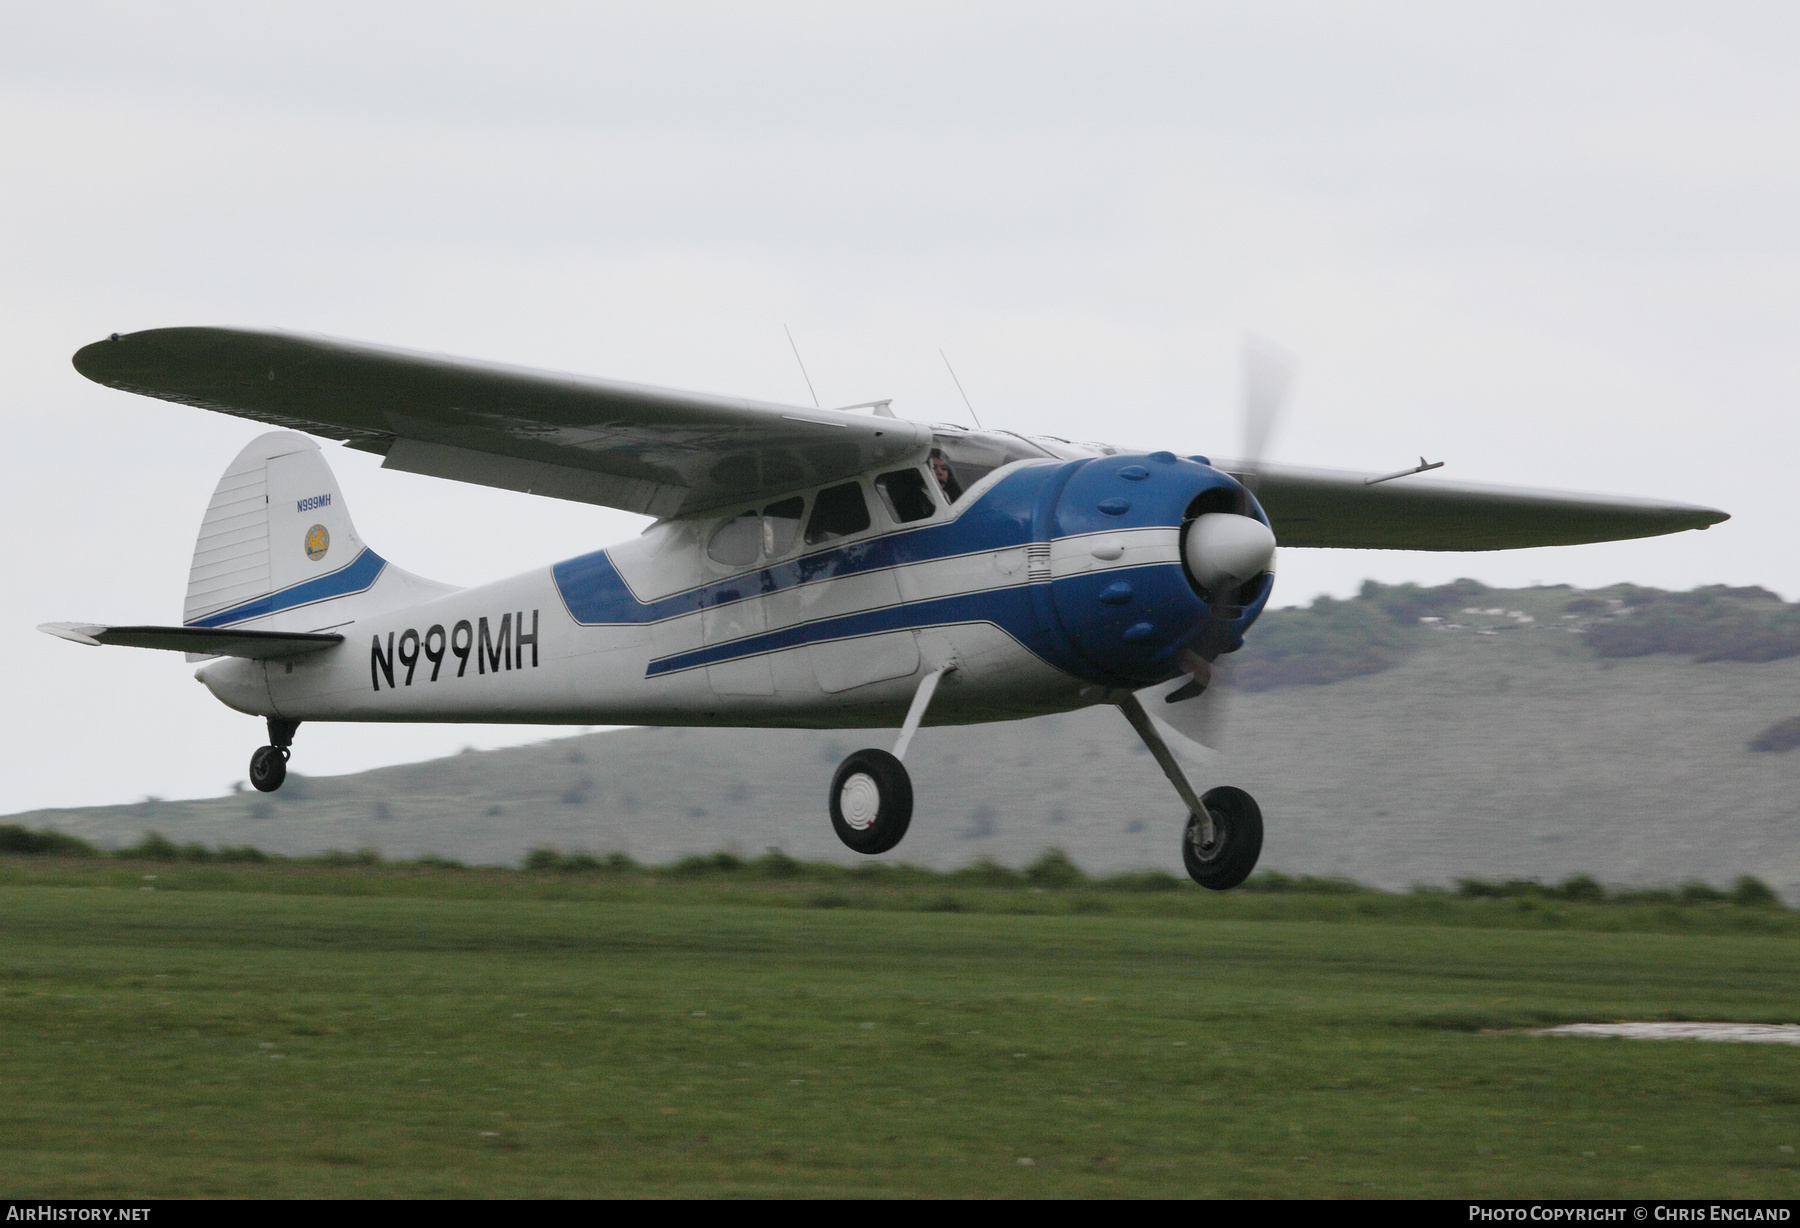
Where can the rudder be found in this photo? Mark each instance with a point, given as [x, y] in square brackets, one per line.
[277, 550]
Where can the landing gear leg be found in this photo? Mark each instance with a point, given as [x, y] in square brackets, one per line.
[268, 766]
[1224, 831]
[871, 795]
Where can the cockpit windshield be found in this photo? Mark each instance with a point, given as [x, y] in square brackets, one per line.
[959, 459]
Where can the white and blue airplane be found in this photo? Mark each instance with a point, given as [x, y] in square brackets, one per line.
[806, 568]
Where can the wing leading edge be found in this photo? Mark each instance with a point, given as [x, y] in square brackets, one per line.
[631, 446]
[1336, 508]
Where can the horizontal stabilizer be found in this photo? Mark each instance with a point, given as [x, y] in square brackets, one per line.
[201, 641]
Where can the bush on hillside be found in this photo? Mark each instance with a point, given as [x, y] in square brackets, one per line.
[1326, 642]
[1745, 592]
[1751, 892]
[1781, 736]
[1746, 892]
[1142, 880]
[1714, 623]
[154, 846]
[1276, 883]
[706, 865]
[547, 860]
[17, 839]
[776, 864]
[1408, 603]
[985, 872]
[1054, 869]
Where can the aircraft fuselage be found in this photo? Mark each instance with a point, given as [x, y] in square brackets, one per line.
[1047, 585]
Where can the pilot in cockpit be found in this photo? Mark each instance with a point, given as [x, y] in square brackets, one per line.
[940, 469]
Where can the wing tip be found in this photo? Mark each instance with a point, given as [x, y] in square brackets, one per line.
[89, 360]
[103, 361]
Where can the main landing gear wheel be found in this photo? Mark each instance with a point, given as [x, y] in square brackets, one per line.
[871, 801]
[1236, 843]
[268, 768]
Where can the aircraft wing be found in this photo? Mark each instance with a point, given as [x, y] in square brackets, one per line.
[643, 449]
[256, 645]
[1333, 507]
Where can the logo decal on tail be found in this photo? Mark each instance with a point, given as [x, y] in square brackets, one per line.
[318, 541]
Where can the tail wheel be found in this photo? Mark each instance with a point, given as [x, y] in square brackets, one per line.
[1236, 843]
[871, 801]
[268, 768]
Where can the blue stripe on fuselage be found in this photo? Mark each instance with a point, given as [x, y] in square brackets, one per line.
[356, 576]
[597, 595]
[1012, 609]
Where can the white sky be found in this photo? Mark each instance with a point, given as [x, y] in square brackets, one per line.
[1552, 244]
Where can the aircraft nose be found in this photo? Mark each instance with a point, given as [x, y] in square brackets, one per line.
[1223, 550]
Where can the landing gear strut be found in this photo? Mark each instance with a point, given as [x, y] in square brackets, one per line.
[1224, 832]
[268, 766]
[871, 795]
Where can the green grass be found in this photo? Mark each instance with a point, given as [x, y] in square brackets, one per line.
[303, 1028]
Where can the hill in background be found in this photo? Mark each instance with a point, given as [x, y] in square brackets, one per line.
[1407, 735]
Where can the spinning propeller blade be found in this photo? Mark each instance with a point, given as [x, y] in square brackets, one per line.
[1191, 714]
[1268, 375]
[1224, 553]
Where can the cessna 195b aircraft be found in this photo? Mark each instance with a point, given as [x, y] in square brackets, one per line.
[806, 567]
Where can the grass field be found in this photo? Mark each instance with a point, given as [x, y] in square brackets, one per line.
[315, 1029]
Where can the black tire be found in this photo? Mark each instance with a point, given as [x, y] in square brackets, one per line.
[1237, 840]
[268, 768]
[873, 787]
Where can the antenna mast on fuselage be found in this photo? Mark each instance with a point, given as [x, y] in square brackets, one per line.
[802, 362]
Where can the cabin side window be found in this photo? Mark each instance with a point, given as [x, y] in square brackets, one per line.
[838, 511]
[735, 543]
[746, 537]
[905, 495]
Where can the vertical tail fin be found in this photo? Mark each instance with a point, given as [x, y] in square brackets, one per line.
[277, 550]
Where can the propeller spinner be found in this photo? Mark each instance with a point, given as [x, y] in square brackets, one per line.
[1225, 552]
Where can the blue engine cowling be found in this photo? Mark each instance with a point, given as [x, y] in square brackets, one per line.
[1132, 626]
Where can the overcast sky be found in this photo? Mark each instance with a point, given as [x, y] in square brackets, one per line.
[1553, 245]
